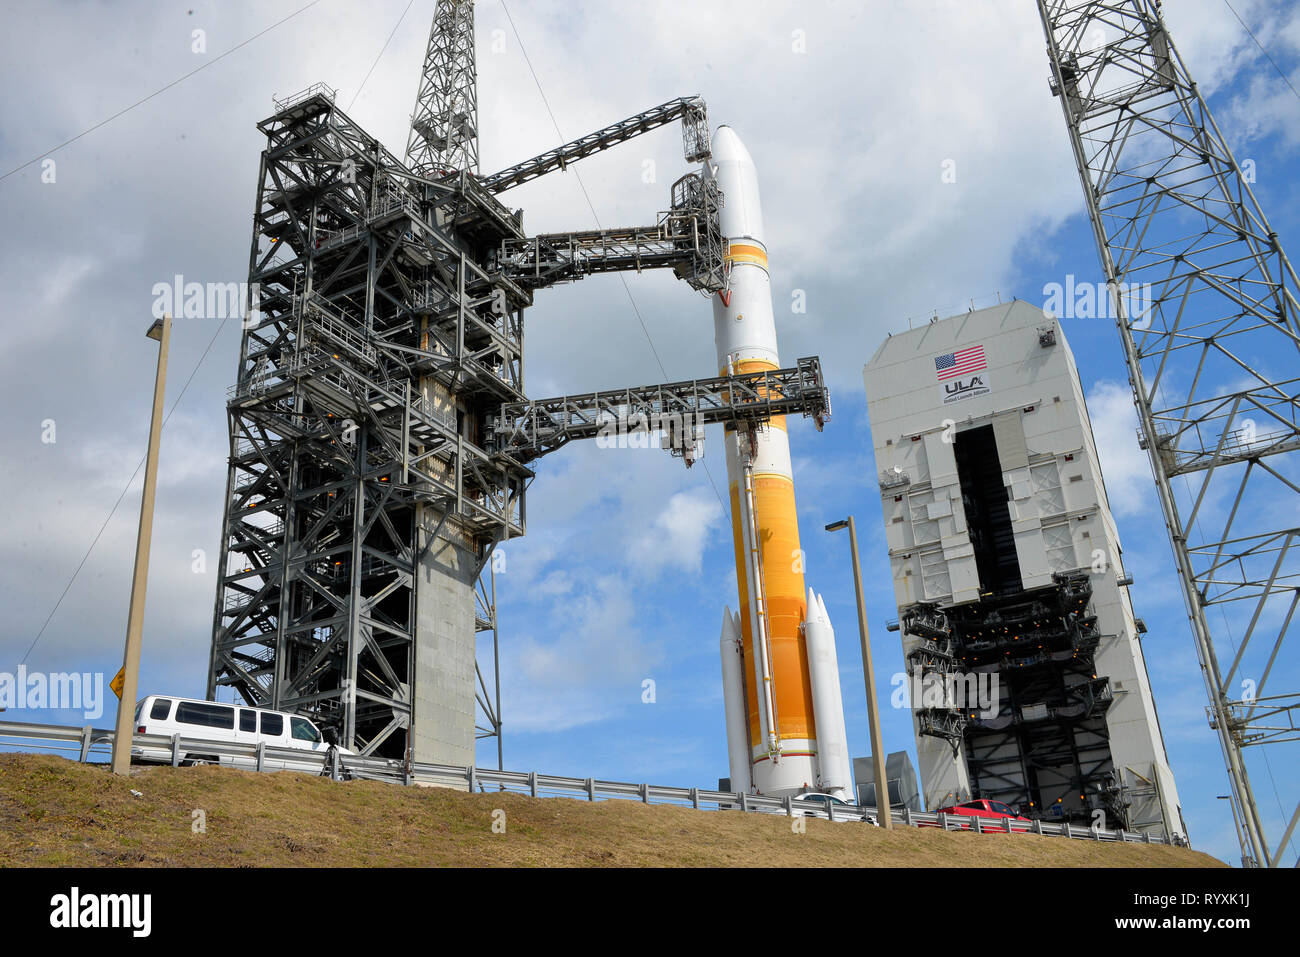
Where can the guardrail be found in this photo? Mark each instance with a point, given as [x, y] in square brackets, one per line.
[303, 95]
[179, 750]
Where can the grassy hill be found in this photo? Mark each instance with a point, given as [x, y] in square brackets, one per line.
[54, 812]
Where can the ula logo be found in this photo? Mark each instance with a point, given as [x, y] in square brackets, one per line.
[74, 910]
[957, 386]
[964, 373]
[967, 387]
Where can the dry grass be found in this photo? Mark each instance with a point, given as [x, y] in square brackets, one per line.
[54, 812]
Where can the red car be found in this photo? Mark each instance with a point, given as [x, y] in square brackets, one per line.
[994, 815]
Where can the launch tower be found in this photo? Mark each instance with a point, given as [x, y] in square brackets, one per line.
[380, 435]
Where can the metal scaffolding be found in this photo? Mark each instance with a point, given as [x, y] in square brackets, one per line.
[526, 430]
[379, 427]
[686, 239]
[355, 450]
[444, 124]
[695, 141]
[1214, 361]
[1044, 745]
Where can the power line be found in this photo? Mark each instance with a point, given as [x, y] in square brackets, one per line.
[113, 511]
[179, 79]
[596, 217]
[1284, 77]
[381, 53]
[125, 489]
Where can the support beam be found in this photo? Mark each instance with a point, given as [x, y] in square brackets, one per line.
[695, 142]
[444, 124]
[1202, 292]
[686, 239]
[527, 430]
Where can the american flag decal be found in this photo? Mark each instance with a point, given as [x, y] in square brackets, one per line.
[959, 363]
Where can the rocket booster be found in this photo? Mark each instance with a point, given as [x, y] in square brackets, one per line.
[767, 674]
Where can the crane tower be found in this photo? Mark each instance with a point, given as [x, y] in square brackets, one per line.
[1214, 363]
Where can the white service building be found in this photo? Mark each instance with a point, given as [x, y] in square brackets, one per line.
[1008, 575]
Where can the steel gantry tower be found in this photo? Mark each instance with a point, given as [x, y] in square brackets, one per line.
[380, 434]
[1214, 363]
[444, 126]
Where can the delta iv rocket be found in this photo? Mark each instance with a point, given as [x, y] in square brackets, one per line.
[784, 713]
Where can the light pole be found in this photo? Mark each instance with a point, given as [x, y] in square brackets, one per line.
[160, 331]
[883, 808]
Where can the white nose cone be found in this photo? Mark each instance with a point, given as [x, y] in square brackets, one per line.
[733, 168]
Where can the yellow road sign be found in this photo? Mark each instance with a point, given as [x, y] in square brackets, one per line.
[117, 682]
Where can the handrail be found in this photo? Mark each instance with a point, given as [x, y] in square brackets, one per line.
[336, 765]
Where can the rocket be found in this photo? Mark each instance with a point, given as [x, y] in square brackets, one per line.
[781, 690]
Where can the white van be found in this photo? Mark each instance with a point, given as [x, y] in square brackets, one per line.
[215, 721]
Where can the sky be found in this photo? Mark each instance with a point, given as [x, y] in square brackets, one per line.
[912, 161]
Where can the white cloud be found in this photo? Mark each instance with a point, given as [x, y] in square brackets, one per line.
[584, 661]
[849, 139]
[1124, 465]
[676, 540]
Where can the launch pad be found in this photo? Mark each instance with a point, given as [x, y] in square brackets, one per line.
[380, 433]
[381, 443]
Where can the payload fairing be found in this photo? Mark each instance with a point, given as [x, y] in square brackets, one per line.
[785, 718]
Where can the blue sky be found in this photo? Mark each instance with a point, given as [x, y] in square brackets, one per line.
[628, 562]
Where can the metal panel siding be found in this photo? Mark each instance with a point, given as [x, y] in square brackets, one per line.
[1009, 433]
[941, 462]
[1034, 405]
